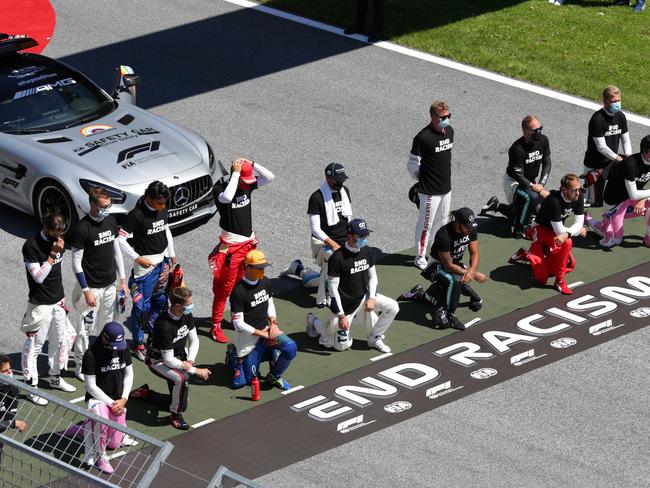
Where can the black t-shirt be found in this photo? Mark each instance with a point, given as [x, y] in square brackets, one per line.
[148, 229]
[555, 209]
[336, 232]
[108, 367]
[630, 169]
[237, 215]
[434, 150]
[36, 250]
[608, 126]
[525, 159]
[252, 301]
[170, 333]
[97, 241]
[352, 269]
[455, 243]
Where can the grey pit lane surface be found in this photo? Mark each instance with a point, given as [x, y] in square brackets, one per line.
[296, 98]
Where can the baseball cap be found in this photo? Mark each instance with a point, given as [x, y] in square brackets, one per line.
[465, 216]
[246, 174]
[336, 171]
[256, 259]
[114, 334]
[358, 227]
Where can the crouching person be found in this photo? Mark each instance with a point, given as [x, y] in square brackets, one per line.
[352, 283]
[108, 377]
[258, 337]
[449, 276]
[169, 359]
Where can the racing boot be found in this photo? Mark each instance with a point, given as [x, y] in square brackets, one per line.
[217, 335]
[413, 295]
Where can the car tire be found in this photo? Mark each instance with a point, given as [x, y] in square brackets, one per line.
[51, 196]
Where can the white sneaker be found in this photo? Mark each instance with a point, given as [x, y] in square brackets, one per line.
[420, 262]
[378, 344]
[60, 384]
[611, 242]
[310, 329]
[78, 374]
[127, 441]
[38, 400]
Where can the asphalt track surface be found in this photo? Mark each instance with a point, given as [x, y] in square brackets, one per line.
[296, 98]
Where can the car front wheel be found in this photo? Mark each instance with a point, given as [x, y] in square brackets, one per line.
[52, 197]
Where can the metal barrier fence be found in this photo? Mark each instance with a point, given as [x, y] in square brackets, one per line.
[224, 478]
[44, 456]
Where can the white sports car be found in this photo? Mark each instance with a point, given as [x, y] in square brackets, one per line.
[61, 135]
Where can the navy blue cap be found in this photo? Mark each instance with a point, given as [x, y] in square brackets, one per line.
[114, 334]
[358, 227]
[336, 171]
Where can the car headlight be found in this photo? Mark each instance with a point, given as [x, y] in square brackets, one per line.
[117, 196]
[210, 158]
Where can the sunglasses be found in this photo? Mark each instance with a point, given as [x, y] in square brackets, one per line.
[538, 130]
[448, 116]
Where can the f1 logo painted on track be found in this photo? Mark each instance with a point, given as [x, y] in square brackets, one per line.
[132, 151]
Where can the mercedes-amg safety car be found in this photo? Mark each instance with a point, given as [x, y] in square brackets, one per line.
[61, 135]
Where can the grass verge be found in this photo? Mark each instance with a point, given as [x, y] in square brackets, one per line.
[578, 48]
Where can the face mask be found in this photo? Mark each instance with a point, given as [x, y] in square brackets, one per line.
[537, 134]
[615, 107]
[188, 309]
[444, 123]
[158, 206]
[8, 374]
[338, 186]
[362, 242]
[257, 274]
[102, 213]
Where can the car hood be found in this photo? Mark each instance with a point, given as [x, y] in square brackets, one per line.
[126, 147]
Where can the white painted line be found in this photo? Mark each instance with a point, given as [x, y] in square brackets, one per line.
[116, 455]
[472, 322]
[381, 356]
[202, 423]
[291, 390]
[504, 80]
[77, 400]
[577, 283]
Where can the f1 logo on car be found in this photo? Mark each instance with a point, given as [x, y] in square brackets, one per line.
[132, 151]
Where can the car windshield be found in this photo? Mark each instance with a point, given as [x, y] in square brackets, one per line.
[38, 94]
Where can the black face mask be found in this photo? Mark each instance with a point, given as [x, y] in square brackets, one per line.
[537, 134]
[338, 186]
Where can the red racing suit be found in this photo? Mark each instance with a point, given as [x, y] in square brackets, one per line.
[227, 264]
[546, 257]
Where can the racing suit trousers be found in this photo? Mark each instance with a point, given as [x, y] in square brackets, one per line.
[434, 213]
[149, 296]
[178, 382]
[321, 254]
[546, 258]
[612, 222]
[98, 436]
[377, 322]
[89, 321]
[227, 264]
[41, 323]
